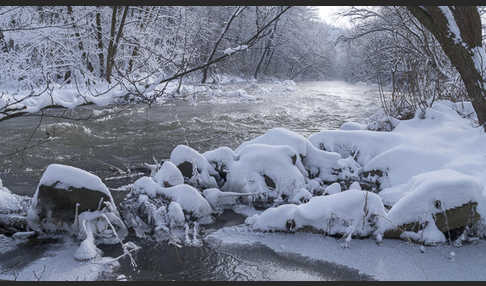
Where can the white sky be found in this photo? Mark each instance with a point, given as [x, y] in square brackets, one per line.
[328, 14]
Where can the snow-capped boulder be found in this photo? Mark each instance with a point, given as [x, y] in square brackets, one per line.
[350, 213]
[447, 196]
[62, 192]
[194, 167]
[168, 175]
[265, 169]
[221, 159]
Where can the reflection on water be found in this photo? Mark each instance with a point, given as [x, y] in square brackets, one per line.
[159, 261]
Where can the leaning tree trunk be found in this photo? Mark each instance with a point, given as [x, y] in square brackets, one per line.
[458, 30]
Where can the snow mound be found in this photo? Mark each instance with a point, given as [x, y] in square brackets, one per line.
[169, 175]
[194, 167]
[430, 193]
[363, 145]
[333, 188]
[267, 169]
[221, 159]
[352, 213]
[310, 159]
[402, 162]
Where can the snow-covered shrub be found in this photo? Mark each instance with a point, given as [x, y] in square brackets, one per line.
[190, 199]
[380, 121]
[347, 169]
[153, 210]
[194, 167]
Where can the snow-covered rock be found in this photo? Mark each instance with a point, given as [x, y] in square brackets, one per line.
[309, 160]
[351, 212]
[432, 193]
[62, 192]
[333, 188]
[221, 159]
[194, 167]
[263, 168]
[168, 175]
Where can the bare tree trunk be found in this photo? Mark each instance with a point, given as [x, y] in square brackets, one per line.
[113, 46]
[110, 44]
[99, 37]
[237, 11]
[465, 50]
[80, 42]
[141, 28]
[266, 51]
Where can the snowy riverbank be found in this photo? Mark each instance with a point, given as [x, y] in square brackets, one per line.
[391, 260]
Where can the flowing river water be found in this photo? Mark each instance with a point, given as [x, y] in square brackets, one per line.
[131, 136]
